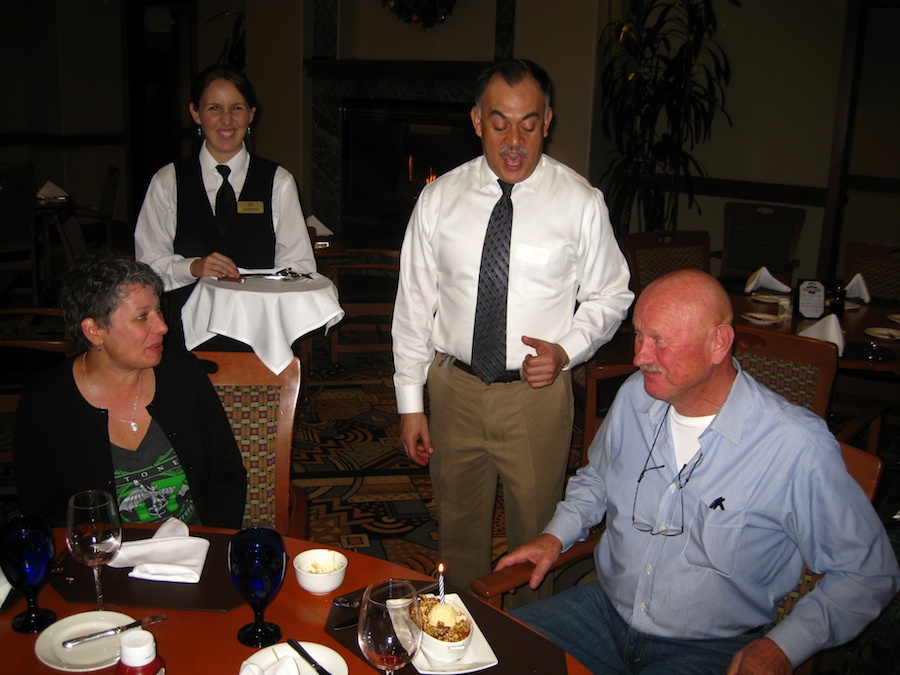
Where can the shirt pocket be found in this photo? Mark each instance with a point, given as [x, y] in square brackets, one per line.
[713, 539]
[542, 272]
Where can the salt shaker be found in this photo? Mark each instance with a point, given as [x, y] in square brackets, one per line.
[137, 655]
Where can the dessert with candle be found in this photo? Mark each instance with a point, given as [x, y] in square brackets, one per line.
[444, 622]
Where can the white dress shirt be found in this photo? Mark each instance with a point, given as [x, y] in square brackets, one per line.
[154, 234]
[562, 254]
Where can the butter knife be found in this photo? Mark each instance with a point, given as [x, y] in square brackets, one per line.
[146, 621]
[306, 657]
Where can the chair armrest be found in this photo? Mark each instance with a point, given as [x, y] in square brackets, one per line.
[871, 417]
[491, 587]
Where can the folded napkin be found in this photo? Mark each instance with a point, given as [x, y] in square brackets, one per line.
[51, 189]
[169, 555]
[828, 328]
[857, 288]
[321, 229]
[5, 587]
[283, 666]
[762, 278]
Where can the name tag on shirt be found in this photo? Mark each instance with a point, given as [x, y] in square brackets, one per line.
[251, 207]
[532, 254]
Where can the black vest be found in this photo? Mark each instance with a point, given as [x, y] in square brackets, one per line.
[252, 243]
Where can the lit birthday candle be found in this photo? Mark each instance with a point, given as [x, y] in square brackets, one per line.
[441, 582]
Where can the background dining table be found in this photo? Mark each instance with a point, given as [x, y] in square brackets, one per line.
[204, 640]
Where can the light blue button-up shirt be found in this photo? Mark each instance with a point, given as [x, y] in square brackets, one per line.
[787, 498]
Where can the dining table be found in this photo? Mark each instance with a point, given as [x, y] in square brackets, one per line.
[199, 634]
[268, 313]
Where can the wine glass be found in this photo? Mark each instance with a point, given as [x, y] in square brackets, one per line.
[26, 548]
[257, 562]
[390, 624]
[93, 532]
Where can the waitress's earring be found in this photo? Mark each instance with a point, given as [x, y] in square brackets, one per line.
[199, 132]
[249, 130]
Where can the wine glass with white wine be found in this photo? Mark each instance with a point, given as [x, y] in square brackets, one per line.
[93, 532]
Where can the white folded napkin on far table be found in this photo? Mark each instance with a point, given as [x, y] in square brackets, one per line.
[857, 288]
[283, 666]
[51, 189]
[828, 328]
[762, 278]
[5, 587]
[169, 555]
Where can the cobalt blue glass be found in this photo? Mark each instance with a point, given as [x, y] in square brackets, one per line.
[257, 562]
[26, 549]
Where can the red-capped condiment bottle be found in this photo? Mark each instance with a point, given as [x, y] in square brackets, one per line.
[137, 655]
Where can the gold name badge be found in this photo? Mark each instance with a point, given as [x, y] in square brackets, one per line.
[251, 207]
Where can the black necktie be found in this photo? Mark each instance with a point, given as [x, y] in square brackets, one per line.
[489, 338]
[226, 203]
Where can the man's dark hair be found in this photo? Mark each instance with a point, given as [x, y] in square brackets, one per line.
[513, 71]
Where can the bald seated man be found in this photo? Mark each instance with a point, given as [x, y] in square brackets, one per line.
[716, 491]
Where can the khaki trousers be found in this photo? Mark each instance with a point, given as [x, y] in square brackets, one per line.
[484, 431]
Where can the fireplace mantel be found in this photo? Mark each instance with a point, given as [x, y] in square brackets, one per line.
[354, 68]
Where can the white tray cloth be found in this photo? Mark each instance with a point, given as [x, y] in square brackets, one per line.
[267, 314]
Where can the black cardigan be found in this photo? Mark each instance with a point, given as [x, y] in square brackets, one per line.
[61, 442]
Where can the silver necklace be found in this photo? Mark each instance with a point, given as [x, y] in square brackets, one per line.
[134, 425]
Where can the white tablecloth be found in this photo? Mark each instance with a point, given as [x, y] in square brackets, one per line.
[269, 315]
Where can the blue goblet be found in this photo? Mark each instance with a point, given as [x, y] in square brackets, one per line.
[26, 549]
[257, 562]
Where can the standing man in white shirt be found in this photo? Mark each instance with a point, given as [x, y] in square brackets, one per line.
[564, 284]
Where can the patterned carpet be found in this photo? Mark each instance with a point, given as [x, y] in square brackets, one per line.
[363, 492]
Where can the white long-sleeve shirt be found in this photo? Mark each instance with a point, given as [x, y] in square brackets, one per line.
[562, 254]
[154, 234]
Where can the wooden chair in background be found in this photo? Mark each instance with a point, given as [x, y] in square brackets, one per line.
[367, 288]
[261, 407]
[653, 254]
[760, 235]
[879, 265]
[18, 242]
[97, 219]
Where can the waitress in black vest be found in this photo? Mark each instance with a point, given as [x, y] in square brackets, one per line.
[208, 214]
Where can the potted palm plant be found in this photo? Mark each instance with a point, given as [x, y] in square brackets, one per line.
[663, 83]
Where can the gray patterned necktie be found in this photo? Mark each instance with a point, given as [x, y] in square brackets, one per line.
[226, 202]
[489, 338]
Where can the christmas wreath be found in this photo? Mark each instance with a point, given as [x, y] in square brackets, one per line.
[424, 13]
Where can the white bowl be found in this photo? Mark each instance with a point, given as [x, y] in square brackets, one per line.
[320, 570]
[440, 651]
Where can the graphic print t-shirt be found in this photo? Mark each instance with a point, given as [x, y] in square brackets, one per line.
[151, 485]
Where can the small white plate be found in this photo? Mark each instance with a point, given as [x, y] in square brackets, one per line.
[329, 659]
[850, 306]
[894, 317]
[85, 657]
[759, 318]
[763, 297]
[883, 333]
[478, 656]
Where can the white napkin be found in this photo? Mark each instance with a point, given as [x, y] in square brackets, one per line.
[284, 666]
[320, 227]
[828, 328]
[5, 587]
[169, 555]
[51, 189]
[762, 278]
[857, 288]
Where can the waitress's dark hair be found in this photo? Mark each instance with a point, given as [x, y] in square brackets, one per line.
[96, 285]
[222, 72]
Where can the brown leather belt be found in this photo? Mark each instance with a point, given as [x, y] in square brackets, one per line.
[508, 376]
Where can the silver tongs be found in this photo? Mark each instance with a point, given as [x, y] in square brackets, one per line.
[287, 274]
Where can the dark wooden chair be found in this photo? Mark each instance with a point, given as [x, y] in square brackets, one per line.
[99, 217]
[653, 254]
[879, 265]
[760, 235]
[18, 244]
[367, 288]
[261, 407]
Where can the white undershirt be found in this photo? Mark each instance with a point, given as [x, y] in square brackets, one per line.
[685, 432]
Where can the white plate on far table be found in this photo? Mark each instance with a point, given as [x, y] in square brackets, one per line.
[850, 306]
[85, 657]
[765, 297]
[883, 333]
[894, 317]
[478, 656]
[760, 318]
[329, 659]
